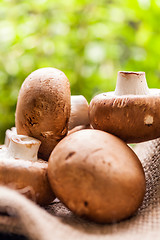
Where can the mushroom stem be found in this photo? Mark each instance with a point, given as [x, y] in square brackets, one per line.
[8, 135]
[131, 83]
[23, 147]
[79, 111]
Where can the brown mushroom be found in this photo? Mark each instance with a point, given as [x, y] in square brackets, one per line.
[131, 112]
[79, 112]
[43, 108]
[96, 175]
[21, 170]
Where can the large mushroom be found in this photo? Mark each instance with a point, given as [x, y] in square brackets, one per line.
[43, 108]
[20, 169]
[131, 112]
[96, 175]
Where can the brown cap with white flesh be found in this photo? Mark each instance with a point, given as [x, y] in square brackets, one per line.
[131, 112]
[20, 169]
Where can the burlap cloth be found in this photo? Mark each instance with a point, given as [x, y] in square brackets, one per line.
[21, 216]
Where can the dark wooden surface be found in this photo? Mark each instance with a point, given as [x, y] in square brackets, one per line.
[11, 237]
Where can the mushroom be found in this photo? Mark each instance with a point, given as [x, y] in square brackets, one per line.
[43, 108]
[79, 112]
[21, 170]
[131, 112]
[96, 175]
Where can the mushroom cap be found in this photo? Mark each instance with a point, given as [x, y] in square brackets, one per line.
[79, 111]
[96, 175]
[28, 177]
[43, 108]
[79, 128]
[133, 118]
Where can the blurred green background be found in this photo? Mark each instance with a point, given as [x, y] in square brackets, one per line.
[89, 40]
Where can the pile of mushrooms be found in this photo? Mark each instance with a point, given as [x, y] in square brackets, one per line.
[94, 173]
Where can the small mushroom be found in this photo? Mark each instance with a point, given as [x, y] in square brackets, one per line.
[20, 169]
[79, 112]
[43, 108]
[131, 112]
[96, 175]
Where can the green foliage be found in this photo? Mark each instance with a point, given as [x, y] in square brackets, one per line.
[89, 40]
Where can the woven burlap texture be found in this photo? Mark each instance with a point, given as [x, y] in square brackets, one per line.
[21, 216]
